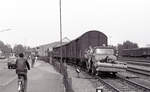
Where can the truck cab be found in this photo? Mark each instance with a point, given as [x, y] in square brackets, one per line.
[104, 54]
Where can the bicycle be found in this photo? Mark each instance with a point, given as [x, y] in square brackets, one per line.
[21, 84]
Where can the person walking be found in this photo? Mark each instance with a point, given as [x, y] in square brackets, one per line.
[32, 60]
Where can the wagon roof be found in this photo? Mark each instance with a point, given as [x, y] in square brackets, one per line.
[81, 36]
[88, 33]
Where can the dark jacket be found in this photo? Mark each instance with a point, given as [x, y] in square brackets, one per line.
[22, 65]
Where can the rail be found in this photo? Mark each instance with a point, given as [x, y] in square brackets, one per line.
[109, 85]
[140, 86]
[141, 67]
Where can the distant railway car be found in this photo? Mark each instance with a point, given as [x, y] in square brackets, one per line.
[136, 52]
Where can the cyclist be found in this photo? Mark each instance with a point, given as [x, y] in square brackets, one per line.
[21, 68]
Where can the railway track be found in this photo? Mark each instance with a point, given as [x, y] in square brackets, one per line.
[141, 79]
[121, 84]
[116, 85]
[137, 83]
[139, 71]
[147, 64]
[138, 66]
[136, 60]
[141, 76]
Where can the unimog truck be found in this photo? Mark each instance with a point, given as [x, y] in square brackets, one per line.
[102, 59]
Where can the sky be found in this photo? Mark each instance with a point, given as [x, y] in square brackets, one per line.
[36, 22]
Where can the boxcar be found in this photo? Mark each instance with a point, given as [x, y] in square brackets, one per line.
[74, 51]
[136, 52]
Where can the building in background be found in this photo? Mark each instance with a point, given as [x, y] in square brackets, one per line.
[148, 45]
[43, 49]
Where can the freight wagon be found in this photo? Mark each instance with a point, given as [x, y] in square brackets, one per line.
[74, 51]
[136, 52]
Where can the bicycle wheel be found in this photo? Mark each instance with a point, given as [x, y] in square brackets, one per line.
[23, 88]
[21, 84]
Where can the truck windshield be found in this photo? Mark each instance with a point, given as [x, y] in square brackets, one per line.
[104, 51]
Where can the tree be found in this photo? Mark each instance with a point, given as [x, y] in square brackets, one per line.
[129, 45]
[120, 48]
[22, 49]
[2, 45]
[6, 49]
[18, 49]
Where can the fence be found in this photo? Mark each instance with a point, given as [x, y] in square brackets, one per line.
[62, 68]
[44, 58]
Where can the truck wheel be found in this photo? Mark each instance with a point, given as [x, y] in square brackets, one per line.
[114, 73]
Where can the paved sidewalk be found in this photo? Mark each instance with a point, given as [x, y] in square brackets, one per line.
[41, 78]
[44, 78]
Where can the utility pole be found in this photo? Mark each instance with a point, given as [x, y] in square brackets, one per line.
[60, 35]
